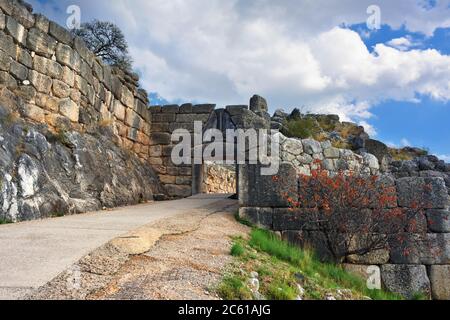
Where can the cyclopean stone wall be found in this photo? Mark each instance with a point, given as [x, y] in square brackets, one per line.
[178, 179]
[425, 270]
[165, 120]
[303, 153]
[64, 85]
[219, 178]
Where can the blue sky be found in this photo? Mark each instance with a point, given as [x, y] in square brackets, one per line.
[318, 55]
[424, 123]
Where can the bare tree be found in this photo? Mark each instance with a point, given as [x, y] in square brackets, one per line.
[106, 41]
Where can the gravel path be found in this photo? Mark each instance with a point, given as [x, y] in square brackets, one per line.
[177, 258]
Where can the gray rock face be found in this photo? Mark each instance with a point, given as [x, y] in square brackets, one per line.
[431, 191]
[377, 148]
[311, 146]
[440, 280]
[439, 221]
[406, 280]
[258, 104]
[44, 175]
[263, 191]
[261, 217]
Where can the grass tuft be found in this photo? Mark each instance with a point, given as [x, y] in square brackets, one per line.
[5, 221]
[237, 250]
[283, 267]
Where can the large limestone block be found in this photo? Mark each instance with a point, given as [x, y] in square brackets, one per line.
[331, 153]
[203, 108]
[312, 147]
[173, 108]
[19, 71]
[2, 21]
[20, 11]
[440, 282]
[59, 33]
[47, 102]
[431, 191]
[68, 57]
[295, 219]
[42, 23]
[438, 220]
[41, 82]
[69, 109]
[292, 146]
[7, 44]
[24, 58]
[60, 89]
[257, 190]
[83, 51]
[406, 280]
[132, 119]
[7, 80]
[16, 30]
[34, 113]
[119, 110]
[261, 217]
[5, 61]
[41, 43]
[258, 104]
[47, 66]
[158, 138]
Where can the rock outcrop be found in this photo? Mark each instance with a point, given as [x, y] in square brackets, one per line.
[45, 174]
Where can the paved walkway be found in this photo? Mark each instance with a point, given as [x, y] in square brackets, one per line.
[33, 253]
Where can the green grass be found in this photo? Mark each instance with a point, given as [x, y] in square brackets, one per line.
[302, 128]
[279, 265]
[237, 250]
[233, 288]
[5, 221]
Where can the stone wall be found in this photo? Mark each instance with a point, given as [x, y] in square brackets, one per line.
[301, 154]
[64, 85]
[165, 120]
[425, 269]
[178, 180]
[219, 178]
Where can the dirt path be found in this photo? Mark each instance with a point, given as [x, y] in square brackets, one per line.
[182, 257]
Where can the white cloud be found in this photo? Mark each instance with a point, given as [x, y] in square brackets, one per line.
[290, 51]
[402, 44]
[445, 157]
[368, 128]
[405, 143]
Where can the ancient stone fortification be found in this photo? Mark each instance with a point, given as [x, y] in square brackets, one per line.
[74, 133]
[62, 83]
[426, 268]
[77, 135]
[219, 179]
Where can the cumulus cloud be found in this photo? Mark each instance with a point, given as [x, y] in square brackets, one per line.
[405, 142]
[295, 53]
[444, 157]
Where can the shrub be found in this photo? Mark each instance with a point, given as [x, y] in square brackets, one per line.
[355, 214]
[302, 128]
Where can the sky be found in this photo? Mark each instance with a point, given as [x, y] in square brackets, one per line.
[386, 67]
